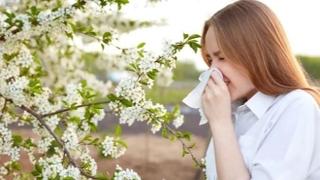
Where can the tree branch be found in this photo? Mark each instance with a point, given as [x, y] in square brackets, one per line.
[72, 108]
[61, 144]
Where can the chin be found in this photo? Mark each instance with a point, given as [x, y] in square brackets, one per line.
[234, 99]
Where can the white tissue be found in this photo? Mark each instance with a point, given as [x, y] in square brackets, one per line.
[193, 99]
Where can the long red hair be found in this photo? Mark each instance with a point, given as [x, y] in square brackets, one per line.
[250, 35]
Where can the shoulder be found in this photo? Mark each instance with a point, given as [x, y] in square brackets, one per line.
[296, 106]
[299, 98]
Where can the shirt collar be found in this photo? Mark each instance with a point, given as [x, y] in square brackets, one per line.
[258, 104]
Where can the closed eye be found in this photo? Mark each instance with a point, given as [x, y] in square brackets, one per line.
[209, 60]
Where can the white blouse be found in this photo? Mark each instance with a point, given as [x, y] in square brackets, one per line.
[279, 137]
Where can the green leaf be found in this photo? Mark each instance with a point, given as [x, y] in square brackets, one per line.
[117, 130]
[126, 102]
[143, 82]
[133, 67]
[34, 11]
[37, 170]
[14, 166]
[184, 152]
[121, 2]
[194, 45]
[194, 36]
[100, 176]
[152, 74]
[164, 132]
[186, 135]
[122, 143]
[141, 53]
[112, 97]
[75, 120]
[192, 145]
[172, 138]
[8, 57]
[68, 178]
[34, 86]
[28, 144]
[185, 35]
[17, 140]
[107, 37]
[90, 33]
[176, 110]
[79, 4]
[141, 45]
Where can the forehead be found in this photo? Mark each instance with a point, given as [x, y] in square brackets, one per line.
[211, 44]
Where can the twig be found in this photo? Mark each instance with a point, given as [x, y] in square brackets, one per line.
[72, 108]
[3, 108]
[184, 146]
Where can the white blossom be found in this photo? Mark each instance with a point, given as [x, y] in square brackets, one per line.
[24, 59]
[51, 166]
[127, 174]
[71, 171]
[3, 171]
[89, 162]
[44, 143]
[70, 137]
[148, 63]
[130, 89]
[41, 101]
[98, 117]
[6, 144]
[53, 121]
[167, 49]
[130, 114]
[25, 20]
[15, 90]
[155, 127]
[73, 96]
[10, 71]
[178, 121]
[111, 148]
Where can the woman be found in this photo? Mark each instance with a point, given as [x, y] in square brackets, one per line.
[264, 115]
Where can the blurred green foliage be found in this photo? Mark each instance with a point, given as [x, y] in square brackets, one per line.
[311, 64]
[168, 95]
[186, 71]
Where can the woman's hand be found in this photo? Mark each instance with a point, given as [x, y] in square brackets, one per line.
[216, 101]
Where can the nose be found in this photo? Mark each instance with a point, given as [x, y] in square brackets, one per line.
[220, 69]
[215, 62]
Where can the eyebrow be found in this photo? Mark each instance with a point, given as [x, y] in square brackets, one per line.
[216, 53]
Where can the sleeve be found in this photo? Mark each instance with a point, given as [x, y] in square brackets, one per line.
[288, 151]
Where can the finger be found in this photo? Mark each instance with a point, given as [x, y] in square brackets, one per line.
[207, 95]
[211, 85]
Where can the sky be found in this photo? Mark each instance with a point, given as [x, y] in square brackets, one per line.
[301, 21]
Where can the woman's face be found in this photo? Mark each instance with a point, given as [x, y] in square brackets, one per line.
[239, 84]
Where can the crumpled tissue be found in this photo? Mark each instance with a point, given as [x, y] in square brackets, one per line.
[193, 99]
